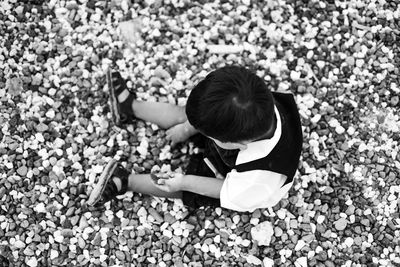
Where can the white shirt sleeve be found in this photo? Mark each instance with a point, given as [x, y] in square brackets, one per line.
[250, 190]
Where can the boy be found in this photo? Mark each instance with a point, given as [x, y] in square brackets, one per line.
[253, 141]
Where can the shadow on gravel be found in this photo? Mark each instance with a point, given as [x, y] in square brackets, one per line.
[4, 262]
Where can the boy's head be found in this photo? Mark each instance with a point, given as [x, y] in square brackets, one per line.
[232, 105]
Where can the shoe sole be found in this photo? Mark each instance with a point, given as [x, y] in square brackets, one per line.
[113, 100]
[97, 191]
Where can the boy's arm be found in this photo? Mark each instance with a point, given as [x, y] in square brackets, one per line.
[180, 132]
[206, 186]
[202, 185]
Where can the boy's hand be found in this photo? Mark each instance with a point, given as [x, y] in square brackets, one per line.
[168, 182]
[177, 134]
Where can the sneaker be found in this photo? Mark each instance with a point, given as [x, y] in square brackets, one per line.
[106, 187]
[122, 112]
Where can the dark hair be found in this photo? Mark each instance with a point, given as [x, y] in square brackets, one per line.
[231, 104]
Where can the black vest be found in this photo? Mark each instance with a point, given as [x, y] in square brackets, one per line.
[284, 157]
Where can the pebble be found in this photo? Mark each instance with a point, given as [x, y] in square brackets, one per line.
[32, 262]
[268, 262]
[350, 61]
[320, 219]
[205, 248]
[40, 207]
[236, 219]
[349, 241]
[300, 244]
[278, 231]
[251, 259]
[281, 214]
[262, 233]
[22, 171]
[59, 89]
[120, 255]
[167, 233]
[53, 254]
[340, 224]
[301, 262]
[19, 244]
[365, 222]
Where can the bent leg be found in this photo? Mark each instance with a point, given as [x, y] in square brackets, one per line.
[164, 115]
[142, 183]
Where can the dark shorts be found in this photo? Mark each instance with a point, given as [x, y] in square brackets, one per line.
[197, 166]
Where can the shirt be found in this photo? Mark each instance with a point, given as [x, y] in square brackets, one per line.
[262, 174]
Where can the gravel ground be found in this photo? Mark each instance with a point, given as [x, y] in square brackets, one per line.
[341, 59]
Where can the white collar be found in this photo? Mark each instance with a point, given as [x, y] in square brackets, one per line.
[260, 149]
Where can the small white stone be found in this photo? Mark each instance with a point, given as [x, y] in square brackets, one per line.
[39, 137]
[301, 262]
[351, 130]
[320, 219]
[367, 212]
[50, 114]
[32, 262]
[103, 258]
[142, 212]
[63, 184]
[281, 214]
[202, 232]
[52, 91]
[19, 244]
[262, 233]
[120, 214]
[236, 219]
[97, 169]
[218, 211]
[178, 232]
[392, 197]
[316, 118]
[245, 243]
[58, 237]
[253, 260]
[300, 244]
[40, 208]
[53, 254]
[167, 233]
[152, 260]
[142, 150]
[238, 240]
[294, 75]
[254, 221]
[212, 248]
[205, 248]
[339, 129]
[268, 262]
[349, 242]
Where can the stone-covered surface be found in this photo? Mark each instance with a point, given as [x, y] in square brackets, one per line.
[340, 58]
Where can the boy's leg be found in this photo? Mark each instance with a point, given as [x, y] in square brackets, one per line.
[125, 107]
[142, 183]
[116, 180]
[164, 115]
